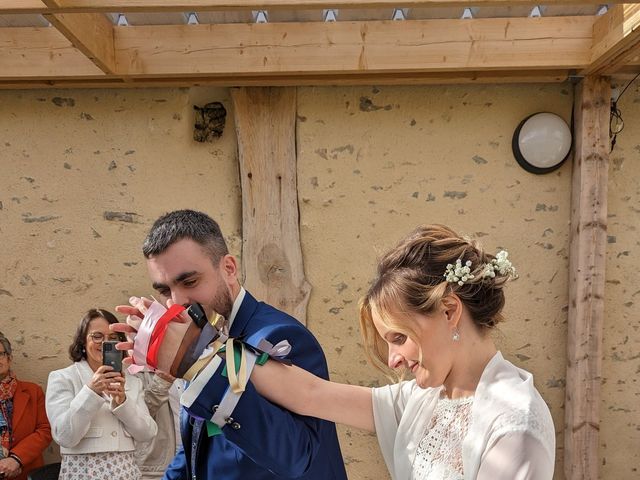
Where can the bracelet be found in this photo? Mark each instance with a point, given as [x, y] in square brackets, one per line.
[16, 458]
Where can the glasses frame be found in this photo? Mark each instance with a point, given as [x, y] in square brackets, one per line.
[114, 337]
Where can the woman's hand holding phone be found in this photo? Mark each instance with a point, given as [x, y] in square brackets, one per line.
[102, 377]
[116, 390]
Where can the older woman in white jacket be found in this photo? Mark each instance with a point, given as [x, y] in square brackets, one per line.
[96, 414]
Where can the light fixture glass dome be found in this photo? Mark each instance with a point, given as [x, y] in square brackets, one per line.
[541, 143]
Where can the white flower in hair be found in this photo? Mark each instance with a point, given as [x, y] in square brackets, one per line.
[500, 264]
[503, 264]
[459, 273]
[488, 271]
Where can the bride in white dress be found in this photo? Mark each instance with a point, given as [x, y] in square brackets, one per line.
[468, 413]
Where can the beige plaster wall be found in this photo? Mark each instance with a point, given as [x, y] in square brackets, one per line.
[620, 415]
[372, 164]
[84, 174]
[375, 162]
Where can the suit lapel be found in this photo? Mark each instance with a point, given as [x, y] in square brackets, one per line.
[20, 401]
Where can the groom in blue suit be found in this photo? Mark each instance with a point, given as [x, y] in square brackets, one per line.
[188, 262]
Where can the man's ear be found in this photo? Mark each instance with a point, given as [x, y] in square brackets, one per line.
[229, 266]
[452, 309]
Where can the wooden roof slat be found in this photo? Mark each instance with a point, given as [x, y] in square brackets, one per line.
[91, 33]
[124, 6]
[22, 6]
[27, 52]
[616, 39]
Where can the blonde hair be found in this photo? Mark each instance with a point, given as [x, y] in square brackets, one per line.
[410, 280]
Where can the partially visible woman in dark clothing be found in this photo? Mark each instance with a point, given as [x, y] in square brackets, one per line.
[24, 428]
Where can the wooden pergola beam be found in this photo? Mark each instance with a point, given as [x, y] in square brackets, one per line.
[588, 244]
[125, 6]
[91, 33]
[41, 53]
[340, 48]
[296, 53]
[631, 69]
[22, 6]
[428, 78]
[328, 50]
[616, 39]
[265, 120]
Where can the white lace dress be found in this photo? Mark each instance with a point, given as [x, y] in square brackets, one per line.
[439, 453]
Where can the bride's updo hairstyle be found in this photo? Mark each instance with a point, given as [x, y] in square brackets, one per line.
[429, 264]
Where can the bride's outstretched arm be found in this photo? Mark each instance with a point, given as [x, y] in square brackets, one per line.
[302, 392]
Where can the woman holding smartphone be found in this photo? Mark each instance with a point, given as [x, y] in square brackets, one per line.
[96, 413]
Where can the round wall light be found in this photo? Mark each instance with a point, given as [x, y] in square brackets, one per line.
[541, 143]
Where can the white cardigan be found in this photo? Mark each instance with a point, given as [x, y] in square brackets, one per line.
[506, 404]
[84, 422]
[163, 400]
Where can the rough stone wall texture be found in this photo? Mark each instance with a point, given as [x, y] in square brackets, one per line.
[375, 162]
[620, 415]
[85, 172]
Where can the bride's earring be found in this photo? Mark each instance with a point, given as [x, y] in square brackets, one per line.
[456, 335]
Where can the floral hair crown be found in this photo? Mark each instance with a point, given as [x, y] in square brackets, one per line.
[461, 274]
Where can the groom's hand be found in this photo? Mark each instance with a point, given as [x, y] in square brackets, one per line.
[135, 312]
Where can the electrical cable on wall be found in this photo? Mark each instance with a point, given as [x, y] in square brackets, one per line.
[616, 123]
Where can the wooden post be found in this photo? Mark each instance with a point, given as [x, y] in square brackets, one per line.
[587, 278]
[265, 120]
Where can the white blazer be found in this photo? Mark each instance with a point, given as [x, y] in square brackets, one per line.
[84, 422]
[506, 402]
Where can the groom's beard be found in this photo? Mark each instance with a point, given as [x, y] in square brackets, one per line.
[222, 303]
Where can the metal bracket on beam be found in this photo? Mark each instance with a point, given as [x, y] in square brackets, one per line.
[260, 16]
[467, 13]
[536, 11]
[191, 18]
[575, 78]
[400, 14]
[330, 15]
[122, 20]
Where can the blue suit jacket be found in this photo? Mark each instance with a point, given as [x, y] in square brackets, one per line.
[271, 443]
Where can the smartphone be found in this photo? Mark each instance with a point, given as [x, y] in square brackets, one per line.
[111, 356]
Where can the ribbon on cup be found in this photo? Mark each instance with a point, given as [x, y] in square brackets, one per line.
[150, 335]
